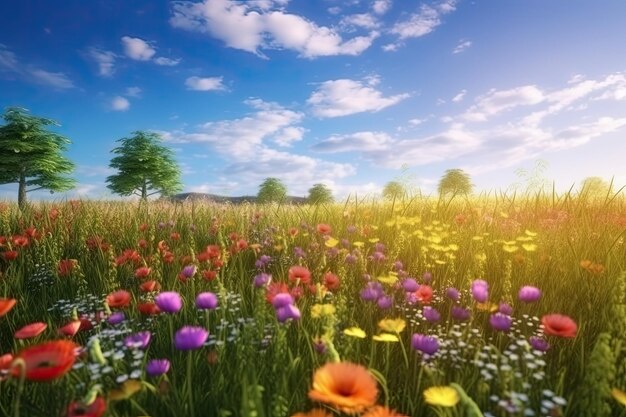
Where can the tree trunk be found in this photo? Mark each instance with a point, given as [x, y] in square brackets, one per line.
[144, 191]
[21, 191]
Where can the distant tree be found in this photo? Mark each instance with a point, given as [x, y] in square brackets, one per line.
[31, 156]
[594, 187]
[271, 190]
[393, 190]
[320, 194]
[145, 167]
[455, 181]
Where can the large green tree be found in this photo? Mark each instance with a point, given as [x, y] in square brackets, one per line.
[393, 190]
[271, 190]
[32, 156]
[320, 194]
[594, 188]
[455, 181]
[145, 167]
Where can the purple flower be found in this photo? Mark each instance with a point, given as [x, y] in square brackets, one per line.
[460, 313]
[188, 271]
[138, 340]
[262, 262]
[539, 343]
[427, 277]
[430, 314]
[385, 302]
[190, 338]
[410, 285]
[500, 322]
[169, 302]
[453, 294]
[319, 346]
[480, 290]
[504, 308]
[282, 299]
[206, 301]
[157, 367]
[351, 229]
[378, 256]
[262, 280]
[426, 344]
[397, 265]
[379, 247]
[116, 318]
[287, 312]
[298, 252]
[529, 294]
[350, 259]
[372, 291]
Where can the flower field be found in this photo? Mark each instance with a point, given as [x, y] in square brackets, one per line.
[476, 307]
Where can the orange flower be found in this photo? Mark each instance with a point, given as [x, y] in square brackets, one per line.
[293, 231]
[559, 325]
[380, 411]
[30, 330]
[344, 385]
[6, 304]
[324, 229]
[299, 274]
[316, 412]
[95, 409]
[47, 361]
[119, 298]
[175, 236]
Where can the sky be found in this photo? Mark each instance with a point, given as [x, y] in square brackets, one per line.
[349, 93]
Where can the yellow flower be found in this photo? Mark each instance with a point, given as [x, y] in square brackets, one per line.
[442, 396]
[491, 307]
[126, 390]
[619, 395]
[385, 337]
[510, 248]
[355, 332]
[529, 247]
[529, 233]
[320, 310]
[392, 325]
[373, 240]
[389, 279]
[358, 244]
[331, 242]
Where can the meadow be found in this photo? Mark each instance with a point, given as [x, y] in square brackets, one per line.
[495, 305]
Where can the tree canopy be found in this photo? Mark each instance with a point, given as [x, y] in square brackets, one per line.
[320, 194]
[393, 190]
[595, 187]
[145, 167]
[32, 156]
[271, 190]
[455, 181]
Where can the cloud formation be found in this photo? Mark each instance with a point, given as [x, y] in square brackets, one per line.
[11, 67]
[204, 84]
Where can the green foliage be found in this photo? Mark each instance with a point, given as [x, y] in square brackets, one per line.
[595, 390]
[31, 156]
[393, 190]
[320, 194]
[455, 181]
[145, 167]
[272, 190]
[594, 188]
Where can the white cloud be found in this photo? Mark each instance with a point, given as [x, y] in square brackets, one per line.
[363, 20]
[168, 62]
[288, 135]
[243, 26]
[423, 22]
[137, 48]
[357, 142]
[459, 97]
[11, 67]
[495, 102]
[391, 47]
[120, 103]
[8, 60]
[416, 121]
[104, 59]
[343, 97]
[462, 46]
[334, 10]
[381, 6]
[133, 92]
[204, 84]
[56, 80]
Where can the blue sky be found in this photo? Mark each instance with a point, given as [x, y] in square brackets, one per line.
[351, 93]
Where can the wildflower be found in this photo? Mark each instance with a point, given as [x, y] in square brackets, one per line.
[504, 308]
[157, 367]
[30, 330]
[559, 325]
[480, 290]
[426, 344]
[47, 361]
[431, 315]
[262, 280]
[453, 294]
[385, 337]
[460, 313]
[355, 332]
[287, 312]
[209, 275]
[316, 412]
[6, 304]
[410, 285]
[346, 386]
[206, 301]
[424, 294]
[169, 302]
[190, 338]
[529, 294]
[385, 302]
[187, 273]
[324, 229]
[381, 411]
[126, 390]
[10, 255]
[331, 281]
[392, 325]
[150, 286]
[427, 277]
[66, 266]
[116, 318]
[148, 308]
[619, 395]
[372, 291]
[442, 396]
[71, 328]
[539, 343]
[119, 298]
[79, 409]
[321, 310]
[299, 274]
[282, 300]
[142, 272]
[138, 340]
[501, 322]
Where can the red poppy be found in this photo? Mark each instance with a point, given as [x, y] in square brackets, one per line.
[95, 409]
[95, 242]
[293, 231]
[3, 241]
[559, 325]
[142, 272]
[30, 330]
[6, 304]
[5, 361]
[162, 246]
[142, 243]
[331, 281]
[53, 214]
[233, 236]
[175, 236]
[324, 229]
[21, 241]
[209, 275]
[71, 328]
[299, 274]
[132, 255]
[10, 255]
[32, 233]
[150, 286]
[424, 294]
[214, 251]
[217, 263]
[47, 361]
[275, 288]
[66, 266]
[148, 308]
[143, 227]
[168, 257]
[119, 298]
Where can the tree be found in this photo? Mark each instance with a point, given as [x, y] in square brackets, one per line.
[271, 190]
[31, 156]
[594, 187]
[393, 190]
[145, 167]
[320, 194]
[455, 181]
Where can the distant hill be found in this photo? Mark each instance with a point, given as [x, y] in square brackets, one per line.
[224, 199]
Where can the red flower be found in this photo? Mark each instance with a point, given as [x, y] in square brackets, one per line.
[168, 257]
[10, 255]
[120, 298]
[424, 294]
[142, 243]
[299, 274]
[150, 286]
[5, 362]
[559, 325]
[331, 281]
[30, 330]
[175, 236]
[148, 308]
[209, 275]
[71, 328]
[6, 304]
[95, 409]
[143, 227]
[142, 272]
[293, 231]
[66, 266]
[47, 361]
[21, 241]
[324, 229]
[275, 288]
